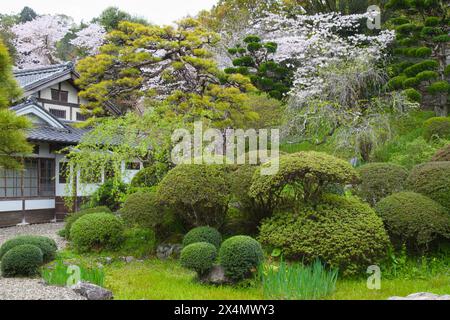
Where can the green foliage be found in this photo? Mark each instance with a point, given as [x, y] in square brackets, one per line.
[48, 246]
[112, 16]
[433, 180]
[198, 194]
[425, 65]
[239, 256]
[437, 127]
[13, 143]
[297, 281]
[97, 231]
[380, 180]
[74, 216]
[142, 210]
[109, 194]
[439, 87]
[308, 174]
[413, 219]
[413, 94]
[199, 257]
[343, 232]
[23, 260]
[442, 154]
[203, 234]
[57, 274]
[138, 242]
[254, 58]
[149, 176]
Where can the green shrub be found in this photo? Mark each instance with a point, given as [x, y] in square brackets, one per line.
[109, 194]
[432, 180]
[307, 174]
[425, 65]
[149, 176]
[439, 87]
[442, 154]
[380, 180]
[198, 194]
[413, 94]
[97, 231]
[138, 242]
[239, 255]
[74, 216]
[343, 232]
[203, 234]
[23, 260]
[199, 257]
[47, 246]
[437, 127]
[413, 219]
[141, 209]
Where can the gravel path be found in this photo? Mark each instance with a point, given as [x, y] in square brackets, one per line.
[34, 289]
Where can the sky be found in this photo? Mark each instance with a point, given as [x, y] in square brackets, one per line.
[156, 11]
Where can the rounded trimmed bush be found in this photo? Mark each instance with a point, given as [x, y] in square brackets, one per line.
[432, 180]
[74, 216]
[149, 176]
[413, 219]
[442, 154]
[23, 260]
[437, 127]
[308, 174]
[97, 231]
[48, 246]
[199, 257]
[198, 194]
[343, 232]
[378, 180]
[238, 255]
[203, 234]
[141, 209]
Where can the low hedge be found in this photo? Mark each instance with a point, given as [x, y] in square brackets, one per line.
[238, 255]
[23, 260]
[203, 234]
[72, 217]
[48, 246]
[199, 257]
[413, 219]
[97, 231]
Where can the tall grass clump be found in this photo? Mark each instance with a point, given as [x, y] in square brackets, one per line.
[58, 274]
[297, 281]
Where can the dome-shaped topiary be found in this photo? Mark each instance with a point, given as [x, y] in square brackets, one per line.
[141, 209]
[74, 216]
[47, 245]
[149, 176]
[437, 127]
[379, 180]
[22, 260]
[307, 173]
[343, 232]
[413, 219]
[442, 154]
[199, 194]
[433, 180]
[199, 257]
[238, 255]
[203, 234]
[97, 231]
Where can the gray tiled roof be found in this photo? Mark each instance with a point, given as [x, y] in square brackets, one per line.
[69, 135]
[30, 78]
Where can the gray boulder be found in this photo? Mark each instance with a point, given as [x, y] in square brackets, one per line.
[422, 296]
[215, 276]
[91, 291]
[166, 251]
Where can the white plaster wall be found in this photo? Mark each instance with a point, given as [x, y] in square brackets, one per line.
[13, 205]
[39, 204]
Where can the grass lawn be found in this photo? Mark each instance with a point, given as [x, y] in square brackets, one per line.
[154, 279]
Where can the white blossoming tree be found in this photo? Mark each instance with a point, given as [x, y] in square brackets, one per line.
[36, 40]
[89, 39]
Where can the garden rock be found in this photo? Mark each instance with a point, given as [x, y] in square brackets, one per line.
[215, 276]
[92, 292]
[166, 251]
[422, 296]
[108, 260]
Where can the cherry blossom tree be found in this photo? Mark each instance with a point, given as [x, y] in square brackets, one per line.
[90, 39]
[36, 40]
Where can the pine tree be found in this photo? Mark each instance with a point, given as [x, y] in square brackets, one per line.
[13, 141]
[421, 67]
